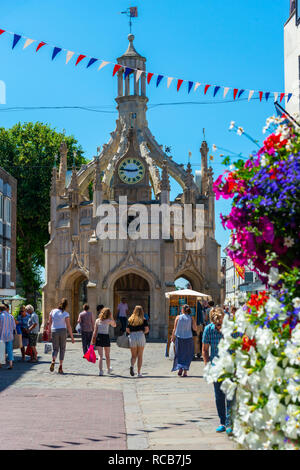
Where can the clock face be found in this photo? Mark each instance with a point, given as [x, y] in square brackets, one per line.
[131, 170]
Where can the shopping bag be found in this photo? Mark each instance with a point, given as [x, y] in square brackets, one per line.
[123, 341]
[2, 352]
[90, 354]
[78, 329]
[172, 351]
[47, 348]
[17, 343]
[29, 351]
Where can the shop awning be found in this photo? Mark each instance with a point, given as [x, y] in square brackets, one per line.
[186, 293]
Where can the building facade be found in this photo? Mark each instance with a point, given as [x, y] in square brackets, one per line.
[8, 223]
[86, 267]
[292, 57]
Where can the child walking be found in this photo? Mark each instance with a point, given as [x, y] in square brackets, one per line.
[101, 337]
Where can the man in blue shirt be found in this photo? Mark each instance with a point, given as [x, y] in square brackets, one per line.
[211, 337]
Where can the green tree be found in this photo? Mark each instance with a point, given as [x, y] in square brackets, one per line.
[27, 152]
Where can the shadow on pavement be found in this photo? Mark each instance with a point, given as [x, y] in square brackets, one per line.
[9, 377]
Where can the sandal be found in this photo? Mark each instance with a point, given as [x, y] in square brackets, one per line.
[52, 366]
[180, 372]
[60, 371]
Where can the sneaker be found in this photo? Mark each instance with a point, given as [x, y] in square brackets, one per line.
[221, 428]
[140, 375]
[229, 431]
[131, 371]
[109, 371]
[101, 372]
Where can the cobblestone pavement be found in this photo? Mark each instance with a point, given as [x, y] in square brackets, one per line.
[84, 411]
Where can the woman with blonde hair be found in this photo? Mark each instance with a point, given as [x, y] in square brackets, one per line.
[101, 337]
[137, 328]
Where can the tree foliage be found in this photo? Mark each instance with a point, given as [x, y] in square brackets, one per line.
[27, 152]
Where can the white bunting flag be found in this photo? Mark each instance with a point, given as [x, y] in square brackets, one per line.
[103, 64]
[226, 90]
[69, 56]
[275, 96]
[28, 42]
[169, 81]
[138, 74]
[197, 84]
[250, 94]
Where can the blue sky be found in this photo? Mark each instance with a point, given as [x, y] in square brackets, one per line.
[229, 43]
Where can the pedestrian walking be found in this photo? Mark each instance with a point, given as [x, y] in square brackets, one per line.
[22, 325]
[210, 306]
[33, 331]
[137, 328]
[59, 323]
[211, 337]
[86, 322]
[7, 329]
[101, 338]
[122, 314]
[182, 336]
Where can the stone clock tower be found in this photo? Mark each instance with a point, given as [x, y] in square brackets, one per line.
[85, 268]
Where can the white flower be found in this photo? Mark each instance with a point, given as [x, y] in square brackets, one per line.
[276, 343]
[296, 302]
[292, 351]
[264, 339]
[289, 242]
[293, 389]
[292, 423]
[240, 130]
[240, 320]
[232, 124]
[264, 161]
[228, 387]
[273, 276]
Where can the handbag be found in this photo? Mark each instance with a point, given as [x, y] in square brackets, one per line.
[172, 351]
[47, 348]
[2, 352]
[29, 351]
[123, 341]
[17, 343]
[90, 355]
[78, 328]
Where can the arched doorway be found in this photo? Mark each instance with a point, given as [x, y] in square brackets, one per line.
[135, 289]
[74, 287]
[183, 282]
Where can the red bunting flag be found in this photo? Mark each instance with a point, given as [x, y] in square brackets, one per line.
[2, 31]
[116, 69]
[261, 93]
[41, 44]
[149, 76]
[240, 270]
[281, 96]
[206, 88]
[79, 58]
[235, 90]
[179, 83]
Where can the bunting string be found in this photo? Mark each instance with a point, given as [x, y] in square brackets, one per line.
[236, 92]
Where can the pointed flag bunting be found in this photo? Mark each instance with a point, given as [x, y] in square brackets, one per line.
[289, 97]
[251, 92]
[138, 74]
[2, 31]
[17, 38]
[235, 90]
[41, 44]
[28, 42]
[267, 94]
[217, 88]
[190, 86]
[281, 96]
[79, 58]
[260, 95]
[56, 50]
[240, 93]
[69, 56]
[149, 76]
[206, 88]
[128, 70]
[197, 84]
[91, 62]
[116, 69]
[275, 96]
[226, 90]
[179, 83]
[159, 79]
[169, 81]
[103, 64]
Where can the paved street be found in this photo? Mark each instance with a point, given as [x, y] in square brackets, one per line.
[80, 410]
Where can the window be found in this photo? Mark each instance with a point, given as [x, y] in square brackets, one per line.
[7, 210]
[1, 206]
[7, 260]
[1, 257]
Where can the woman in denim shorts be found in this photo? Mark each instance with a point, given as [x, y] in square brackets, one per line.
[137, 328]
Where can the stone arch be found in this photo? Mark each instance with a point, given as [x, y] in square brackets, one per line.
[71, 285]
[195, 279]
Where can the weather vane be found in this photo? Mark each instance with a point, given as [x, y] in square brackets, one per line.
[131, 12]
